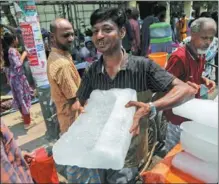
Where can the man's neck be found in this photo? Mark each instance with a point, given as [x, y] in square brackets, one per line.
[61, 50]
[193, 49]
[114, 59]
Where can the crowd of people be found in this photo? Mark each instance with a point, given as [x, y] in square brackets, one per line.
[118, 52]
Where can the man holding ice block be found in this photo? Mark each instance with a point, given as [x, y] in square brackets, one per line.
[116, 69]
[187, 63]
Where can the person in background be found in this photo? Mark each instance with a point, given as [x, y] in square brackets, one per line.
[20, 88]
[145, 32]
[182, 26]
[133, 15]
[64, 80]
[62, 74]
[173, 22]
[209, 56]
[46, 41]
[192, 17]
[21, 48]
[117, 69]
[76, 55]
[205, 14]
[88, 52]
[187, 63]
[162, 18]
[14, 168]
[128, 38]
[212, 52]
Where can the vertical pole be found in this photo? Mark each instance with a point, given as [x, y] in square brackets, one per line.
[72, 19]
[71, 14]
[188, 8]
[76, 20]
[168, 12]
[54, 7]
[63, 10]
[68, 13]
[85, 26]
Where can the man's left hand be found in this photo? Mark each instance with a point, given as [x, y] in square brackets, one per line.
[143, 109]
[210, 84]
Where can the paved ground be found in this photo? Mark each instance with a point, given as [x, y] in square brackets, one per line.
[27, 139]
[34, 137]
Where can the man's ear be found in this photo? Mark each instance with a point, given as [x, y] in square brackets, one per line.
[52, 39]
[52, 35]
[122, 32]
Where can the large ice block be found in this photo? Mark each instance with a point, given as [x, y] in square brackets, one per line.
[99, 138]
[200, 111]
[216, 99]
[206, 172]
[200, 140]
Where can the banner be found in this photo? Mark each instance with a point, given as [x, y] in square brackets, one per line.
[33, 41]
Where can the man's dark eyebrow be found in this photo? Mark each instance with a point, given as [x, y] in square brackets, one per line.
[104, 25]
[67, 32]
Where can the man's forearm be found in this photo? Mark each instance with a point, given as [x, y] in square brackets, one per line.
[180, 93]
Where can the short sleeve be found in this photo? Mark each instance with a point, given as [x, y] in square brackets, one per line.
[65, 80]
[175, 66]
[85, 88]
[158, 79]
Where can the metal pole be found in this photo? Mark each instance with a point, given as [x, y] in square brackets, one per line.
[63, 10]
[67, 6]
[72, 20]
[71, 13]
[76, 20]
[54, 7]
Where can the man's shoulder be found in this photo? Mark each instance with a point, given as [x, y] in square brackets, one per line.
[138, 60]
[179, 55]
[54, 56]
[57, 59]
[57, 63]
[133, 58]
[138, 63]
[180, 52]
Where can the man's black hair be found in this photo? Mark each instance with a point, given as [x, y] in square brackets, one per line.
[205, 14]
[103, 14]
[158, 9]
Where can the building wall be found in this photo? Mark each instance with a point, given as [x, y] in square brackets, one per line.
[79, 15]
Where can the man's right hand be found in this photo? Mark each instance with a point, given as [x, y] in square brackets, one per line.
[77, 107]
[194, 86]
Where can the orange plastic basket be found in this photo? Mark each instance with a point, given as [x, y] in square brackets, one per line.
[159, 57]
